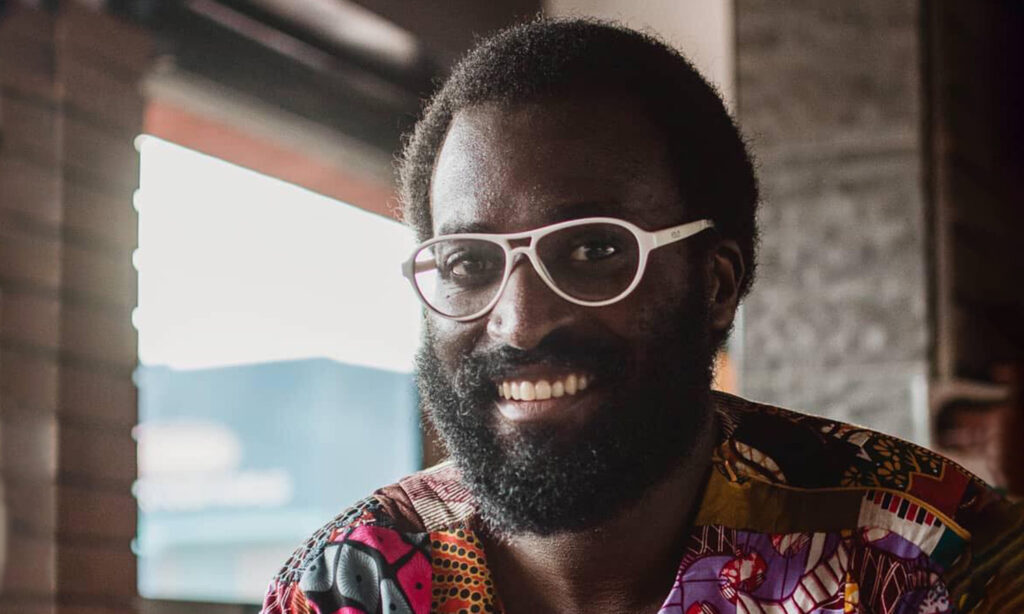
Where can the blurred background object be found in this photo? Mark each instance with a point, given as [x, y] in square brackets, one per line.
[275, 351]
[201, 340]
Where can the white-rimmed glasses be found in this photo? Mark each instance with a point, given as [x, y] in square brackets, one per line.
[592, 261]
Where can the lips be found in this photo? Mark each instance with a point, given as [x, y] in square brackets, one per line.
[541, 389]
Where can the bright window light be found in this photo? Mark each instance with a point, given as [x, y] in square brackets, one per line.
[242, 268]
[276, 336]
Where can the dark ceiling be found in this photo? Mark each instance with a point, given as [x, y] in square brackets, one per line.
[282, 52]
[448, 28]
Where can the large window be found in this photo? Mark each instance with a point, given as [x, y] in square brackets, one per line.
[276, 338]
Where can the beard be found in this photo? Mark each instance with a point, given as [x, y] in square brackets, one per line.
[542, 479]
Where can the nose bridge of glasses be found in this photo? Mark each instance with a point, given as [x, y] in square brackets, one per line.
[515, 256]
[516, 253]
[515, 250]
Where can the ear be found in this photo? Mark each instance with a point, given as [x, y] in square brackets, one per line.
[725, 277]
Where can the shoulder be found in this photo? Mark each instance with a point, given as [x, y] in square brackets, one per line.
[781, 471]
[382, 539]
[786, 447]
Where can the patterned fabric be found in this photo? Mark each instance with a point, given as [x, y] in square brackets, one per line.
[800, 515]
[462, 582]
[726, 570]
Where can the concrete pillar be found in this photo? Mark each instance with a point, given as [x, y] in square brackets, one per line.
[829, 94]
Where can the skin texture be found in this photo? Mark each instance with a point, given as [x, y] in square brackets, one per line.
[515, 168]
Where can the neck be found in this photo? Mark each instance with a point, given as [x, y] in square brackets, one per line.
[626, 564]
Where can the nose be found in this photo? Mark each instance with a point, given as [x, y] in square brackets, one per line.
[527, 310]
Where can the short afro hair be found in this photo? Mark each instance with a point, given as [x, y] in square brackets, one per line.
[565, 57]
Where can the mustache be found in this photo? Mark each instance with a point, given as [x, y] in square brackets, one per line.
[599, 357]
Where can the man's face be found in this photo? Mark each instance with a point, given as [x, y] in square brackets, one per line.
[568, 462]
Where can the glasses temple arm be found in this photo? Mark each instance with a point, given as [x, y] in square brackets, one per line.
[678, 233]
[411, 268]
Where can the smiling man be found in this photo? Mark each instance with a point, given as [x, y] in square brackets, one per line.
[587, 210]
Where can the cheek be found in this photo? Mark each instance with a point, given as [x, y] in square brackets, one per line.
[638, 320]
[450, 340]
[657, 301]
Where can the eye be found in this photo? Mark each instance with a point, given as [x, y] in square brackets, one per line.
[593, 251]
[468, 265]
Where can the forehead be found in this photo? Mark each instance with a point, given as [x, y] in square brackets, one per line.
[506, 168]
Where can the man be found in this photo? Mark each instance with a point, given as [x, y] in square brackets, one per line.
[587, 208]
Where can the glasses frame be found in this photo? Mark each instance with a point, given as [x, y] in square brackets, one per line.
[647, 241]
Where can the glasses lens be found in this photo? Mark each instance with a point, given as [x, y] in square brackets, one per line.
[591, 262]
[459, 277]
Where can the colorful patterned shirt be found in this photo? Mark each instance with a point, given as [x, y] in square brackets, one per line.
[800, 514]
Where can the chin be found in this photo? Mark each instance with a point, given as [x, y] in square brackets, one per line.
[570, 471]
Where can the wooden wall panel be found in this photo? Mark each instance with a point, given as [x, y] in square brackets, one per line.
[70, 107]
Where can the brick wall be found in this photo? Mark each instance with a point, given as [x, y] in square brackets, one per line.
[69, 111]
[829, 94]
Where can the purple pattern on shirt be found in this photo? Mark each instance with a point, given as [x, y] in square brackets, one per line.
[728, 571]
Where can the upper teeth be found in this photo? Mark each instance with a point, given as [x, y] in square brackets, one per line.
[540, 390]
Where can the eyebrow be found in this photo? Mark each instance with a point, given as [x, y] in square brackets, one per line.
[561, 213]
[462, 229]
